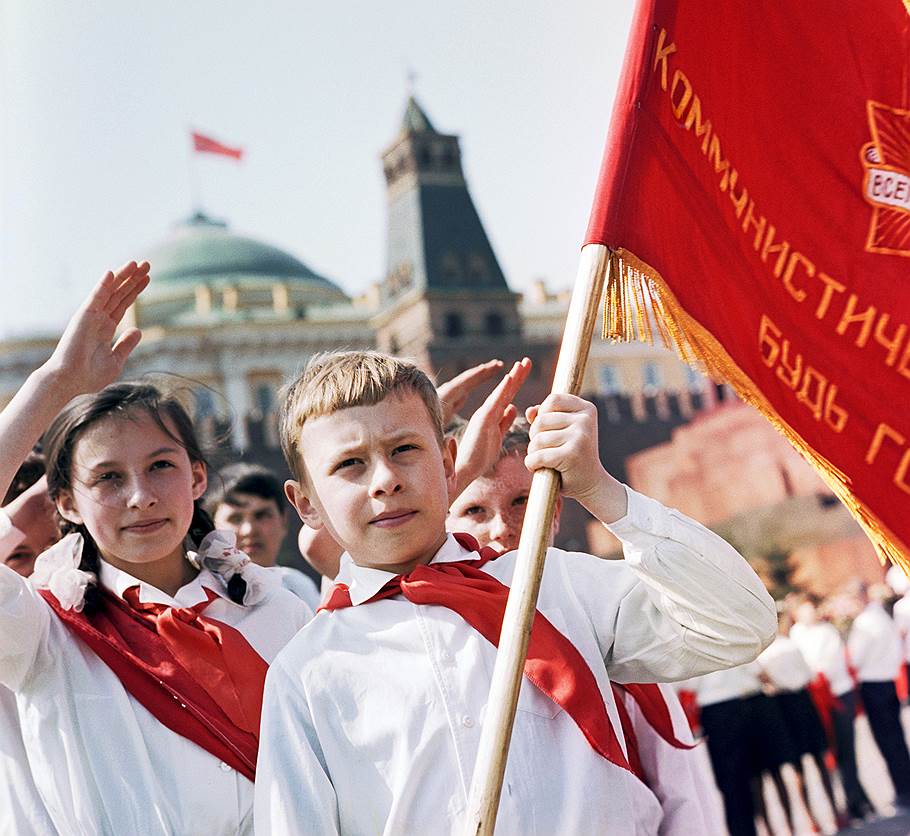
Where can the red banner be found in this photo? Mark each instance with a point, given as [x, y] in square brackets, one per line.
[208, 145]
[756, 191]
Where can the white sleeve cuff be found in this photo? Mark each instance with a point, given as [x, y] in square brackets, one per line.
[10, 536]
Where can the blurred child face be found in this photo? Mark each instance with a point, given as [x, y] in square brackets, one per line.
[492, 508]
[35, 517]
[259, 523]
[806, 613]
[377, 479]
[22, 558]
[133, 488]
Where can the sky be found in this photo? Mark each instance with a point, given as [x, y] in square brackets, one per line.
[99, 98]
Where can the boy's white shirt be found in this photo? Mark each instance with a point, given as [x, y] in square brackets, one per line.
[102, 763]
[680, 778]
[874, 645]
[785, 665]
[372, 715]
[824, 650]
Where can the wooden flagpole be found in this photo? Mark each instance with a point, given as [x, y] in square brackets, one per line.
[493, 749]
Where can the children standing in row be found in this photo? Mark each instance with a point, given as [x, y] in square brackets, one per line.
[372, 714]
[137, 655]
[823, 649]
[787, 678]
[875, 650]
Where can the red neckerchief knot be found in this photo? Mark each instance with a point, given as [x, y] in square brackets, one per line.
[215, 654]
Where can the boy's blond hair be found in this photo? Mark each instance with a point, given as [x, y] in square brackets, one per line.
[337, 380]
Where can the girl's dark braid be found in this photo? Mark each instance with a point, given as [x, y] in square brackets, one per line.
[90, 562]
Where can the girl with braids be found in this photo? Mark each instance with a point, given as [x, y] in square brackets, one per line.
[138, 649]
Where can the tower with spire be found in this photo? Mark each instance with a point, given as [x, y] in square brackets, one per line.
[444, 299]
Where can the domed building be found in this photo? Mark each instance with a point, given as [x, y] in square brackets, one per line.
[204, 272]
[237, 317]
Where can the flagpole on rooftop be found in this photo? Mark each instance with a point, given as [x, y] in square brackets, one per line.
[493, 748]
[193, 175]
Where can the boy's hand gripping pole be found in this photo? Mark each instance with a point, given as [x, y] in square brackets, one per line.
[493, 750]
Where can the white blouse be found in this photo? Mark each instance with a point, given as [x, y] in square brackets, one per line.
[902, 620]
[102, 763]
[21, 808]
[737, 683]
[300, 584]
[825, 652]
[875, 645]
[373, 713]
[785, 665]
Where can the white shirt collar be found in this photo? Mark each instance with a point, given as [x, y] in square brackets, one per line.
[188, 595]
[363, 582]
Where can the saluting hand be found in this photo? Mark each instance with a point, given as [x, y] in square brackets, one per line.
[480, 445]
[453, 394]
[85, 359]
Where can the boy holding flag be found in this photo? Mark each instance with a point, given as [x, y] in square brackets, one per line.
[373, 712]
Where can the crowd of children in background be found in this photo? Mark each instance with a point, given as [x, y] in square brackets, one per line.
[157, 626]
[832, 662]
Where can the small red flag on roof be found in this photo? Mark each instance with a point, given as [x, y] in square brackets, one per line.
[206, 144]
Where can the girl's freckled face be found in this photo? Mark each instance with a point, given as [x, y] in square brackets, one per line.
[133, 487]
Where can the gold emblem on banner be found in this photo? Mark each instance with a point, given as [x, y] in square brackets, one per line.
[886, 185]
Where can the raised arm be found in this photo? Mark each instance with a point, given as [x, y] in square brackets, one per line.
[479, 447]
[691, 604]
[454, 393]
[86, 359]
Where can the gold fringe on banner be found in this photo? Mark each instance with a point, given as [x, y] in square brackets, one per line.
[639, 302]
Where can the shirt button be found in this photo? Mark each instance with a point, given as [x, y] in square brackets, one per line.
[467, 722]
[224, 767]
[446, 656]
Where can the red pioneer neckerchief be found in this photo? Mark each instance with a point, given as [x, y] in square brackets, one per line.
[553, 664]
[199, 677]
[628, 730]
[825, 703]
[653, 706]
